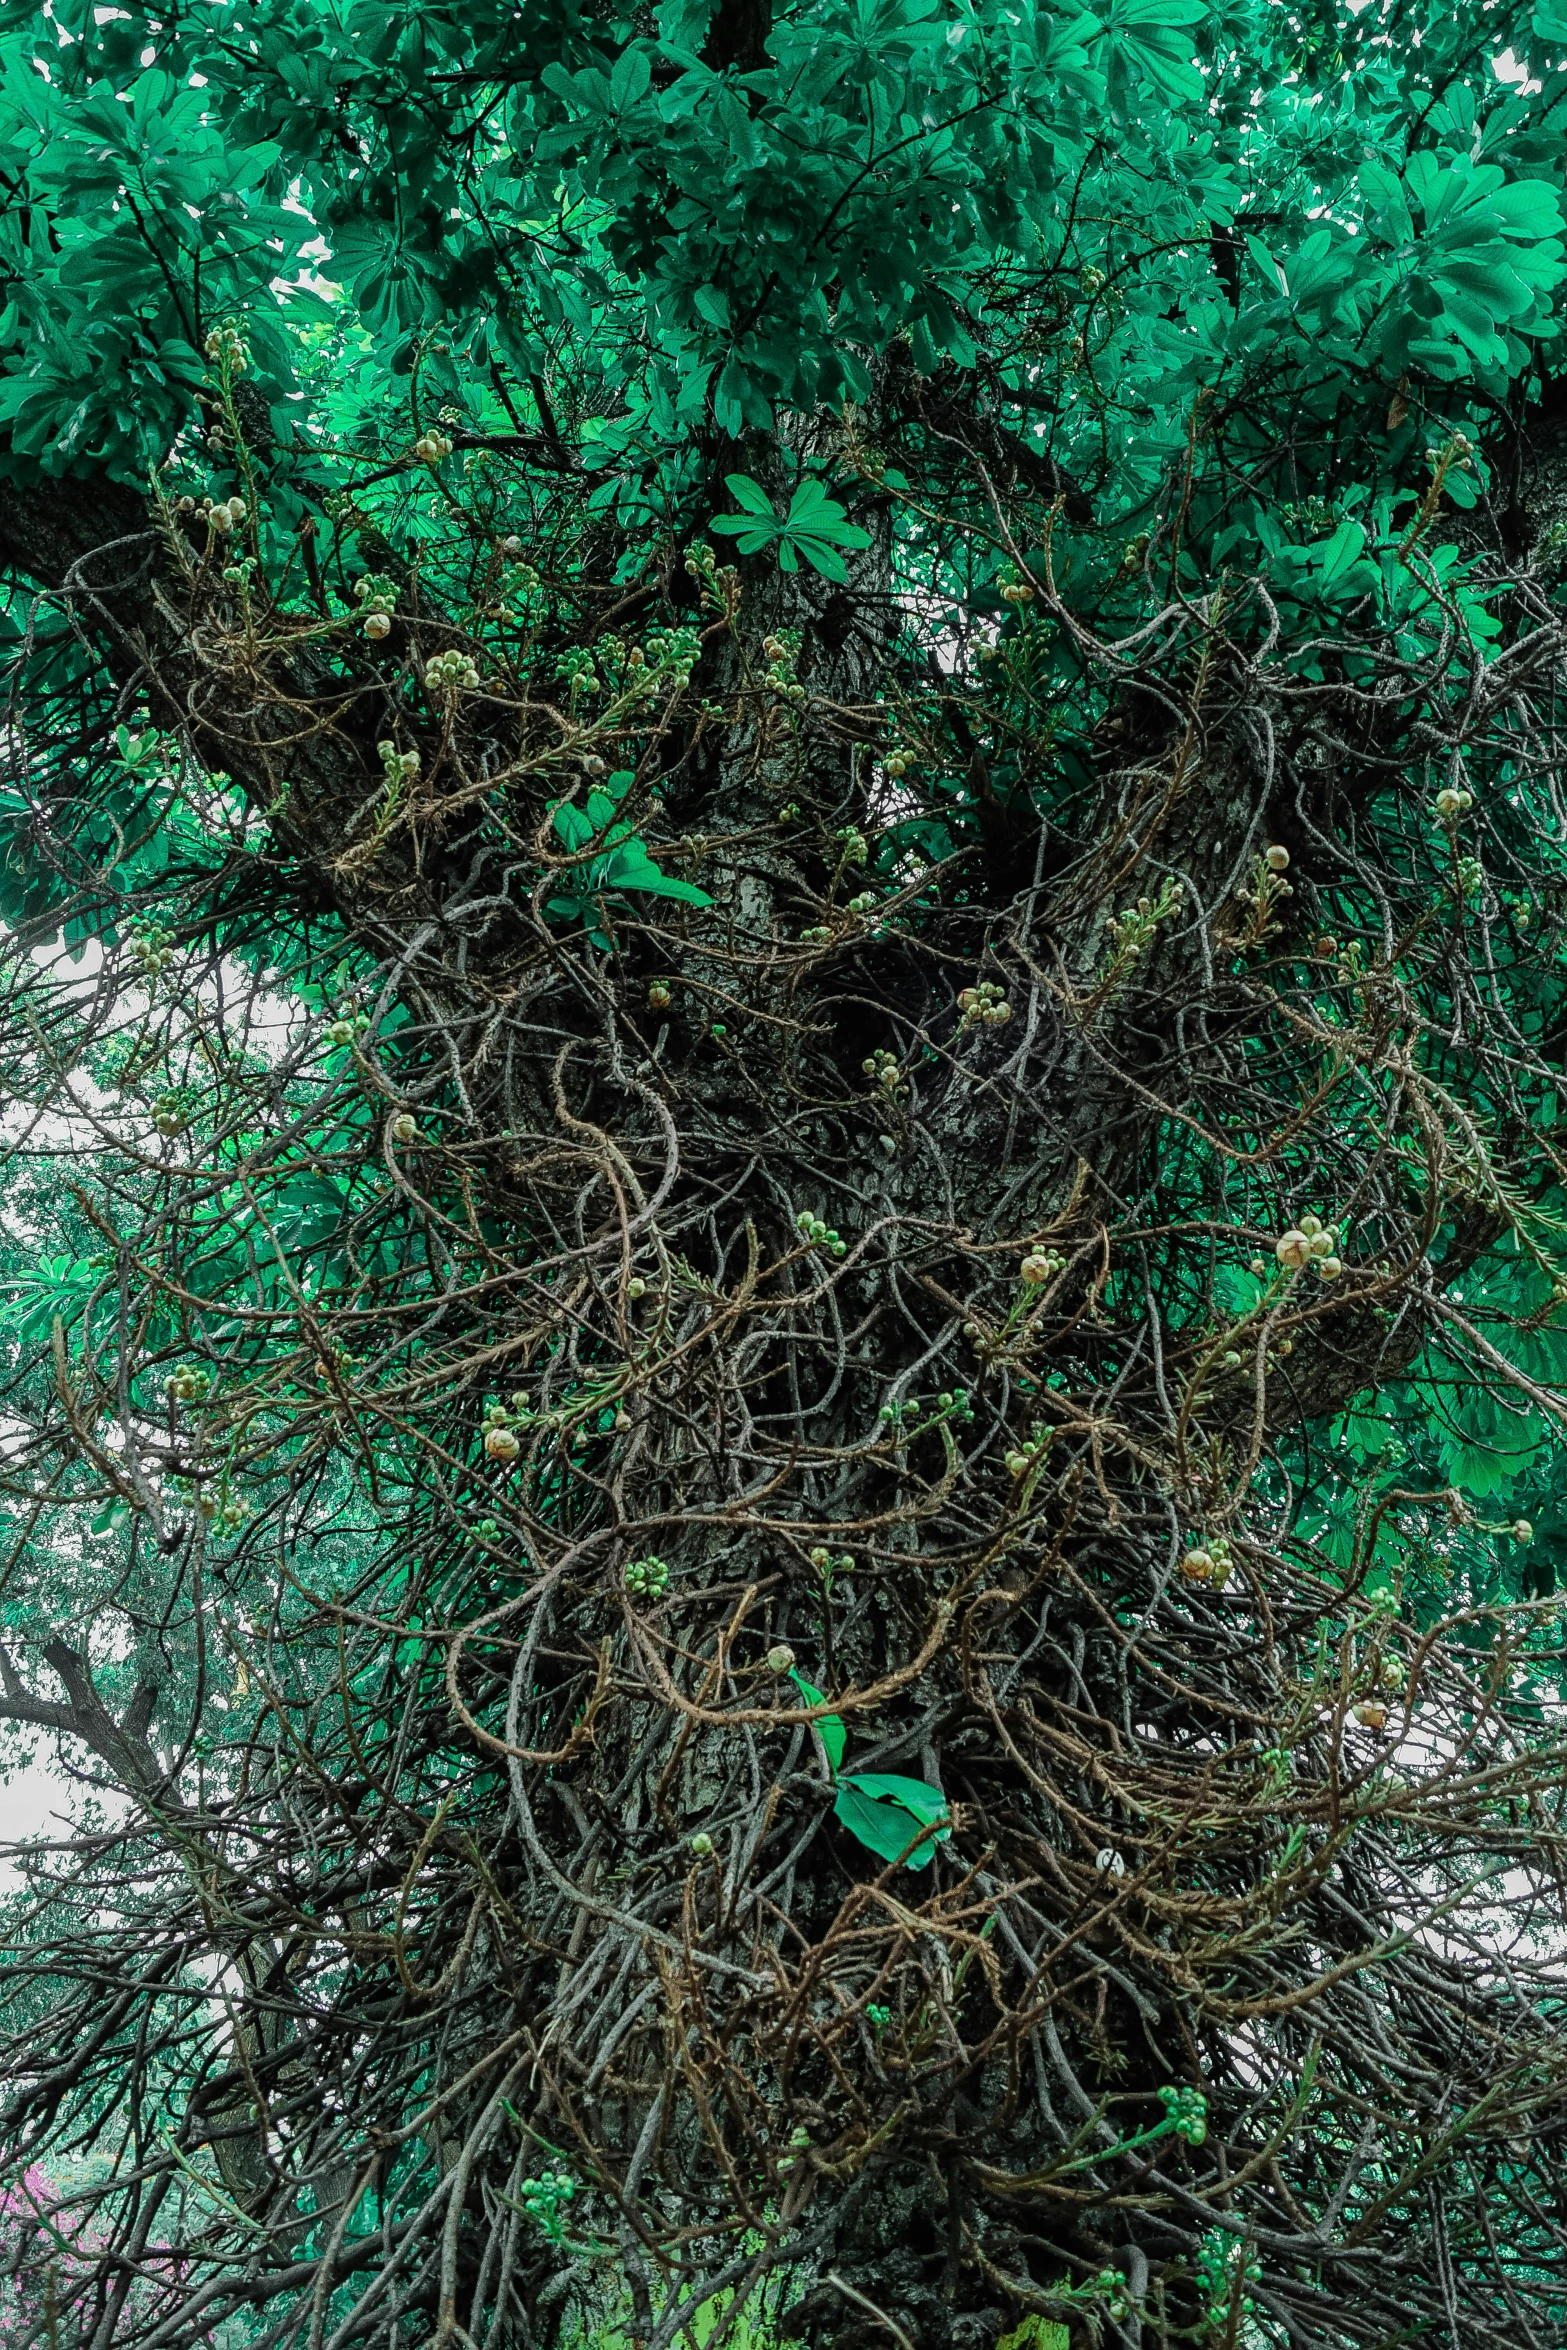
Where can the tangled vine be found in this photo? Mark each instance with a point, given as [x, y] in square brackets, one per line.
[710, 1256]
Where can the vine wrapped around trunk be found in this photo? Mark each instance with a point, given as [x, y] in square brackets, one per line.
[724, 1691]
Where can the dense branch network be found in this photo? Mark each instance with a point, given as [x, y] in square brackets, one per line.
[675, 1522]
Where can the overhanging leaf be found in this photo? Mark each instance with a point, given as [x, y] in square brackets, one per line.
[883, 1828]
[834, 1736]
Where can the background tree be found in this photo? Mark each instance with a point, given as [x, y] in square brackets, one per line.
[783, 1024]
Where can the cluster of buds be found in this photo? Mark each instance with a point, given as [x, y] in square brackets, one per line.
[219, 514]
[376, 596]
[1454, 457]
[1470, 876]
[827, 1566]
[1371, 1713]
[1208, 1562]
[856, 848]
[400, 767]
[816, 1234]
[1132, 933]
[1268, 885]
[543, 2197]
[1224, 2269]
[865, 903]
[226, 1515]
[1451, 802]
[658, 996]
[952, 1402]
[1041, 1265]
[782, 653]
[577, 668]
[431, 447]
[647, 1578]
[519, 579]
[152, 946]
[449, 671]
[883, 1067]
[346, 1027]
[501, 1442]
[188, 1384]
[1015, 590]
[170, 1114]
[1313, 1243]
[404, 1127]
[799, 2141]
[673, 652]
[1186, 2111]
[897, 763]
[1023, 1456]
[816, 936]
[984, 1006]
[701, 1844]
[226, 347]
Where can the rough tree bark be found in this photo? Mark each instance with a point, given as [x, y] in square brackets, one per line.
[668, 1957]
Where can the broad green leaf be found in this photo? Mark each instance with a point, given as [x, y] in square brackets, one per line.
[915, 1795]
[834, 1736]
[883, 1828]
[1341, 553]
[573, 826]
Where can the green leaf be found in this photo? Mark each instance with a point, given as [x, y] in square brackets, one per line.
[750, 494]
[1036, 2333]
[927, 1803]
[572, 826]
[835, 1738]
[812, 513]
[883, 1828]
[655, 884]
[1341, 553]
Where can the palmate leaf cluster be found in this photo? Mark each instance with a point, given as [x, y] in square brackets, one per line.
[542, 1063]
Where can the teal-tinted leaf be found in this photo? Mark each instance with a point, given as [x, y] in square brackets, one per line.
[821, 557]
[752, 534]
[1341, 553]
[813, 514]
[835, 1738]
[883, 1828]
[663, 885]
[927, 1803]
[631, 77]
[750, 494]
[729, 396]
[572, 826]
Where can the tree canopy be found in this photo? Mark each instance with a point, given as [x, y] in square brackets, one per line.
[782, 1013]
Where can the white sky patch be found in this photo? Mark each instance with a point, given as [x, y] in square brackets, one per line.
[1510, 67]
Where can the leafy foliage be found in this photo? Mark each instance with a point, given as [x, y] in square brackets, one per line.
[971, 1094]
